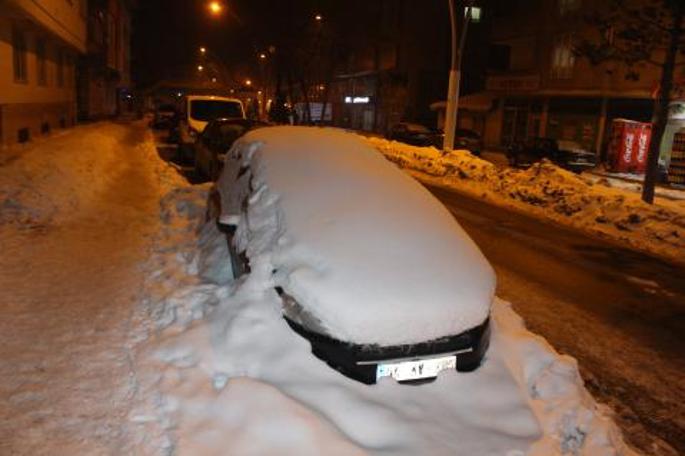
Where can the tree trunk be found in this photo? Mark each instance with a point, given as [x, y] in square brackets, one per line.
[661, 106]
[307, 116]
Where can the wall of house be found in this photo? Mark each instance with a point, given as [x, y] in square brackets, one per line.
[36, 105]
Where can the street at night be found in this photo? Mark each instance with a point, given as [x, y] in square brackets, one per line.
[617, 311]
[304, 227]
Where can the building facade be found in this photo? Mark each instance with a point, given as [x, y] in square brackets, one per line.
[39, 46]
[395, 73]
[537, 86]
[104, 76]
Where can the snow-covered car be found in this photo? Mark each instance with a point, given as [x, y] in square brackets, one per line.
[371, 268]
[198, 111]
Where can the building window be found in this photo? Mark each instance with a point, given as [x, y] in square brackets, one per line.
[60, 68]
[19, 56]
[568, 6]
[563, 58]
[41, 67]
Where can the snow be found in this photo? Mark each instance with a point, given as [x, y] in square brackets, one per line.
[78, 214]
[122, 332]
[329, 212]
[547, 191]
[235, 379]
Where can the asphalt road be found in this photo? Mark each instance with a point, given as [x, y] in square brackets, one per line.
[620, 313]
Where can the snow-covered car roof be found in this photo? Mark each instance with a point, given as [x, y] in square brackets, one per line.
[363, 247]
[212, 97]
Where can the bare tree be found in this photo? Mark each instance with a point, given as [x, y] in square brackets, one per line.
[636, 32]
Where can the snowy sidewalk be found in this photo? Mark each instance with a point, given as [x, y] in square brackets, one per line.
[633, 183]
[74, 239]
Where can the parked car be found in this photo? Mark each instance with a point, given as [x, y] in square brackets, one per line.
[566, 154]
[197, 112]
[379, 289]
[216, 139]
[415, 134]
[418, 135]
[164, 117]
[469, 140]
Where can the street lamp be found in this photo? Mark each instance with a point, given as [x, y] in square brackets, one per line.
[318, 17]
[215, 8]
[262, 56]
[248, 82]
[200, 68]
[203, 50]
[452, 107]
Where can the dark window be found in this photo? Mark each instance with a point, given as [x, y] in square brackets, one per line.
[60, 68]
[41, 67]
[206, 110]
[19, 56]
[499, 57]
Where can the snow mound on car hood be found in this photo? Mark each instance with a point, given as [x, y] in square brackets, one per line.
[365, 248]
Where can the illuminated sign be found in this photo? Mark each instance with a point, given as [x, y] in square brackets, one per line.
[357, 100]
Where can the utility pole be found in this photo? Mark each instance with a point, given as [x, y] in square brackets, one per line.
[455, 75]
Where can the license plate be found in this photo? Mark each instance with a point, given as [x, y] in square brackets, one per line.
[417, 369]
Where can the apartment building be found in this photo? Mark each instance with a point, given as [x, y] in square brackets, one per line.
[537, 86]
[40, 42]
[399, 67]
[104, 77]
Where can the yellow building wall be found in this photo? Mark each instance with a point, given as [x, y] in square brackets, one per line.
[28, 106]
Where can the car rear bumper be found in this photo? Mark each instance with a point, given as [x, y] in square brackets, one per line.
[360, 362]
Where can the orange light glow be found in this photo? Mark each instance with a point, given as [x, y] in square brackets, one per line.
[215, 8]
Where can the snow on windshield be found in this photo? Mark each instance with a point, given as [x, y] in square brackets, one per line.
[363, 247]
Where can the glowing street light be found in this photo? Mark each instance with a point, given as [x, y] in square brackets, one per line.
[203, 50]
[248, 82]
[215, 8]
[200, 68]
[318, 17]
[262, 56]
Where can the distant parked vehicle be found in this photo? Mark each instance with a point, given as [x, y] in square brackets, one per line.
[415, 134]
[418, 135]
[469, 140]
[215, 141]
[164, 117]
[566, 154]
[198, 111]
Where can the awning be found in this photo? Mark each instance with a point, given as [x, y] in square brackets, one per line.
[480, 101]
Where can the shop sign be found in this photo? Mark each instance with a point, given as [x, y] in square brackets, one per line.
[357, 100]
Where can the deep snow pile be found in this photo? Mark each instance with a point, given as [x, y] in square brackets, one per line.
[551, 192]
[226, 375]
[48, 180]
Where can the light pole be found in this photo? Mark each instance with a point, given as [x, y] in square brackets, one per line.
[455, 75]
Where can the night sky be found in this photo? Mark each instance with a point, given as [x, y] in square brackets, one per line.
[168, 33]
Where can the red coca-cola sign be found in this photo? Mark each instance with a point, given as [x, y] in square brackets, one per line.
[629, 146]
